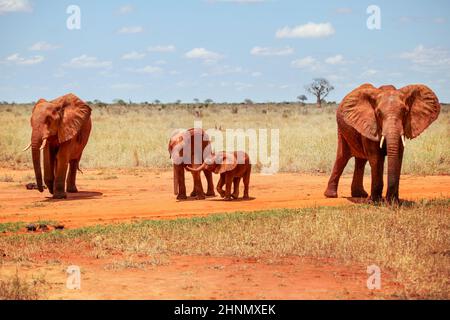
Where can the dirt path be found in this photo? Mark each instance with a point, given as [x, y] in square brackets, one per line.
[124, 195]
[187, 277]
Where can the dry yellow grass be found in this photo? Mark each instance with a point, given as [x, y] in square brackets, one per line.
[137, 135]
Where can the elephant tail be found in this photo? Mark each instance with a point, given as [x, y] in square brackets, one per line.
[78, 167]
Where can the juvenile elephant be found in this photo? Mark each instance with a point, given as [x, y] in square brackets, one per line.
[60, 128]
[198, 146]
[373, 123]
[231, 167]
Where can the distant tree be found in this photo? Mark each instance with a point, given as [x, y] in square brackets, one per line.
[209, 101]
[248, 101]
[178, 101]
[196, 100]
[156, 101]
[302, 98]
[120, 102]
[319, 88]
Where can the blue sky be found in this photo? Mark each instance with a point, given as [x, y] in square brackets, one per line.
[227, 50]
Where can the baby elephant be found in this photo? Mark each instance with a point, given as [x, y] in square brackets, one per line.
[231, 167]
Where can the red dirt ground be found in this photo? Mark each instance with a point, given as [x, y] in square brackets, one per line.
[147, 194]
[125, 195]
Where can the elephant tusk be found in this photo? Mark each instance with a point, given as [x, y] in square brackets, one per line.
[44, 143]
[27, 147]
[381, 142]
[403, 141]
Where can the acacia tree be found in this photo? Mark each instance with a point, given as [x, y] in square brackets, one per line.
[320, 88]
[302, 98]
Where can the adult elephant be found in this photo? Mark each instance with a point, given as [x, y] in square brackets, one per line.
[190, 148]
[373, 123]
[60, 128]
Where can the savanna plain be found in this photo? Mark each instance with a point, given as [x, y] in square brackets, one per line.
[132, 239]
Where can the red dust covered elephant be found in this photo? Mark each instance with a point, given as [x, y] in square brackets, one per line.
[190, 148]
[61, 129]
[374, 123]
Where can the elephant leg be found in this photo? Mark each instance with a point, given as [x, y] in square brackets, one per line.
[236, 182]
[246, 183]
[209, 181]
[71, 179]
[220, 185]
[49, 168]
[377, 167]
[228, 184]
[62, 162]
[198, 188]
[343, 154]
[179, 171]
[358, 177]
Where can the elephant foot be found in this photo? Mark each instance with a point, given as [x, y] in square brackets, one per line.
[200, 197]
[235, 196]
[246, 197]
[376, 198]
[330, 193]
[359, 193]
[60, 195]
[181, 197]
[227, 198]
[222, 194]
[72, 189]
[193, 194]
[210, 194]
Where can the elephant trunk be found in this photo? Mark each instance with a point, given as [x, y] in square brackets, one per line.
[201, 168]
[36, 141]
[394, 155]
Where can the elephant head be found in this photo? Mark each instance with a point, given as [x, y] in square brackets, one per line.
[55, 121]
[387, 114]
[218, 163]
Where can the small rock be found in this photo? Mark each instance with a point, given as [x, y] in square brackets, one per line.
[43, 227]
[58, 227]
[31, 227]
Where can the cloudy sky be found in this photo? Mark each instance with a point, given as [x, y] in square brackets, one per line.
[227, 50]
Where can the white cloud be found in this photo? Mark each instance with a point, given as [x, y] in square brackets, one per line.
[306, 63]
[369, 73]
[15, 6]
[17, 59]
[160, 62]
[130, 30]
[125, 9]
[256, 74]
[203, 54]
[43, 46]
[309, 30]
[265, 51]
[337, 59]
[427, 57]
[159, 48]
[148, 70]
[85, 61]
[133, 55]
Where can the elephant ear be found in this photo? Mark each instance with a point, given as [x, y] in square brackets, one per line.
[75, 112]
[424, 108]
[358, 111]
[225, 162]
